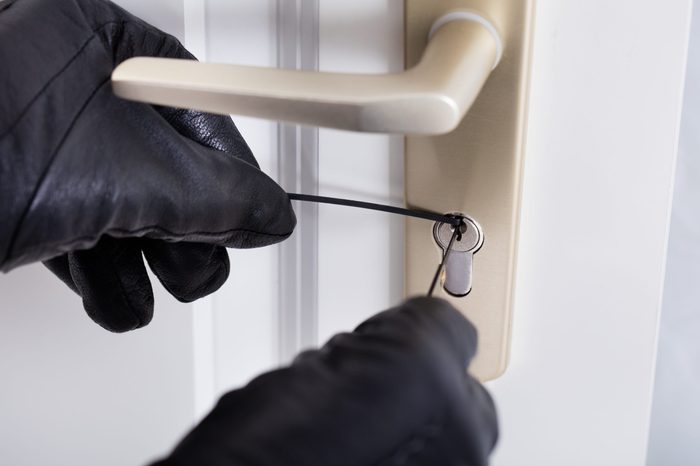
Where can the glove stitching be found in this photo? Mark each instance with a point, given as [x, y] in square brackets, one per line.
[182, 236]
[125, 295]
[45, 172]
[45, 86]
[51, 159]
[178, 236]
[60, 72]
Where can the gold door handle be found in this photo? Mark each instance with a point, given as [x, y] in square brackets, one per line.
[430, 98]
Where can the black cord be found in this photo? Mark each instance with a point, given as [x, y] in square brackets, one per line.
[455, 221]
[451, 220]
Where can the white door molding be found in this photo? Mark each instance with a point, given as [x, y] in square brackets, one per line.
[297, 48]
[203, 309]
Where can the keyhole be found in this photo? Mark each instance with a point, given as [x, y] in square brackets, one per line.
[462, 230]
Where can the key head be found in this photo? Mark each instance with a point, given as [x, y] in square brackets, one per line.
[472, 237]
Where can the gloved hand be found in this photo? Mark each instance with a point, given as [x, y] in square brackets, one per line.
[393, 392]
[90, 182]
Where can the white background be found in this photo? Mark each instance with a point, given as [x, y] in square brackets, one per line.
[603, 123]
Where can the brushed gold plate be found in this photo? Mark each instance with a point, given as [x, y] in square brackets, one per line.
[476, 169]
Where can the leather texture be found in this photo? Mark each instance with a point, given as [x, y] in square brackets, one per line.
[91, 184]
[393, 392]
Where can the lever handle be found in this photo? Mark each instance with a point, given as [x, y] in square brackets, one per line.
[430, 98]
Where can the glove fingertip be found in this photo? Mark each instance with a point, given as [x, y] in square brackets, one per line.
[112, 280]
[448, 323]
[188, 271]
[428, 324]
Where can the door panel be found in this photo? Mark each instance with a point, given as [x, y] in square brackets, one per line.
[72, 392]
[360, 252]
[605, 104]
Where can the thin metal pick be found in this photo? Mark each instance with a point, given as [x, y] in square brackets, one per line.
[457, 234]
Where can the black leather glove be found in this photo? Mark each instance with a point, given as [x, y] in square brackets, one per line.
[393, 392]
[90, 182]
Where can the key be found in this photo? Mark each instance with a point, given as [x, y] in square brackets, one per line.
[456, 278]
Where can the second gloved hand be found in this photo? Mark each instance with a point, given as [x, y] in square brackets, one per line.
[90, 183]
[395, 392]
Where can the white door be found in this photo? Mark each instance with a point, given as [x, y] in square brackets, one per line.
[605, 102]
